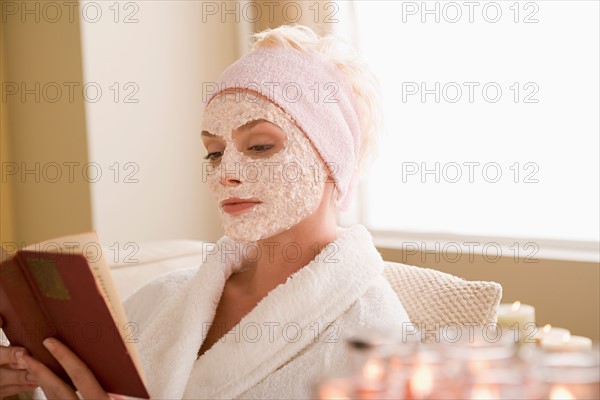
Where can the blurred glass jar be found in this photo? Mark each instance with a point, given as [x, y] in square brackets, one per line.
[492, 369]
[432, 375]
[483, 348]
[371, 353]
[496, 383]
[334, 387]
[566, 375]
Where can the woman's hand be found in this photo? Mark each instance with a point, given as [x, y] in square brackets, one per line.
[54, 387]
[13, 376]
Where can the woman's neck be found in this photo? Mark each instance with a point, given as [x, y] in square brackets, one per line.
[271, 261]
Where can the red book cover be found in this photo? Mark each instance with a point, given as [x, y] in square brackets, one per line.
[46, 294]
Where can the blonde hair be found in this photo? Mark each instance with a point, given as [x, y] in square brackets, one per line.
[364, 83]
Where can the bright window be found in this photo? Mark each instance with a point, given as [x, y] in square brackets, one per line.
[492, 117]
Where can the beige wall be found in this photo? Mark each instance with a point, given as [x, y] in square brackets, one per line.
[310, 13]
[166, 55]
[7, 228]
[565, 293]
[43, 132]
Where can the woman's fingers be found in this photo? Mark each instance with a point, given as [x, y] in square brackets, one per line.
[37, 374]
[52, 385]
[82, 377]
[9, 355]
[116, 397]
[15, 389]
[12, 379]
[9, 376]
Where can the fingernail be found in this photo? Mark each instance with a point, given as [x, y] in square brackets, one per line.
[48, 343]
[19, 355]
[30, 377]
[21, 362]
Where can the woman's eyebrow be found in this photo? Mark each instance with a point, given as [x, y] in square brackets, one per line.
[206, 133]
[251, 124]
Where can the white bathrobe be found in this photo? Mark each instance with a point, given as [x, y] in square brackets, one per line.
[293, 336]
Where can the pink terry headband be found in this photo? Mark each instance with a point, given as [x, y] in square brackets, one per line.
[315, 94]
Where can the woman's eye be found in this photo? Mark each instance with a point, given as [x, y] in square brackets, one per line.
[261, 148]
[214, 155]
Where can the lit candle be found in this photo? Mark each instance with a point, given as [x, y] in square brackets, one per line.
[482, 392]
[569, 375]
[560, 392]
[372, 380]
[516, 316]
[336, 388]
[373, 371]
[566, 342]
[549, 331]
[421, 383]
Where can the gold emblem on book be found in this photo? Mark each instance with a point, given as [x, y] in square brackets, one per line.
[48, 279]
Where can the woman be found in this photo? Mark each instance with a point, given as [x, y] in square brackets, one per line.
[264, 316]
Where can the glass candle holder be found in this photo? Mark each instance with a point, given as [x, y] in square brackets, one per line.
[430, 374]
[492, 368]
[567, 375]
[548, 331]
[496, 383]
[399, 359]
[334, 387]
[369, 351]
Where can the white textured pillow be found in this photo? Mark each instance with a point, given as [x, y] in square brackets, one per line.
[432, 297]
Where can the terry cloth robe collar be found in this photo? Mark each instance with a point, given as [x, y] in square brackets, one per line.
[282, 324]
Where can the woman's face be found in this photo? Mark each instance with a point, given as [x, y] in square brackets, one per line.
[256, 153]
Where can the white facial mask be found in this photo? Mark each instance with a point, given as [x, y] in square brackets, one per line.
[289, 183]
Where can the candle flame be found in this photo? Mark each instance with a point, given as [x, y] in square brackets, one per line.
[478, 366]
[421, 383]
[334, 389]
[561, 393]
[547, 328]
[483, 393]
[373, 370]
[515, 306]
[330, 393]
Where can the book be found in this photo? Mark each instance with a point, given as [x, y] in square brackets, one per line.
[64, 288]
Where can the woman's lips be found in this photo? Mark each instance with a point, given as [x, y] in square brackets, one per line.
[236, 206]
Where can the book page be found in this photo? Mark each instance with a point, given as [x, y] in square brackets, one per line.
[89, 245]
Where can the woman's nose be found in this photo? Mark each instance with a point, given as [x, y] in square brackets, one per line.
[230, 175]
